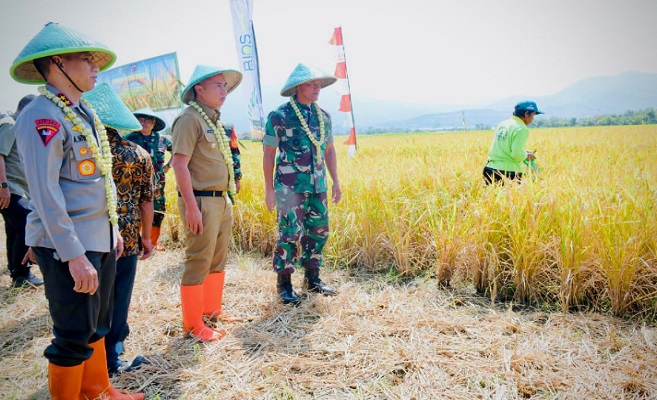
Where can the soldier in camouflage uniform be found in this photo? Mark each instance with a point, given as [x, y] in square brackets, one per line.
[300, 132]
[156, 145]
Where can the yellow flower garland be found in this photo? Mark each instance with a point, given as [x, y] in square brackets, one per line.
[104, 158]
[224, 147]
[304, 125]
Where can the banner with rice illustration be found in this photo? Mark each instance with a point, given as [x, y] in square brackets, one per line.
[152, 83]
[247, 55]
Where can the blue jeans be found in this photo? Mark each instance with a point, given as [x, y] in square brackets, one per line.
[78, 318]
[126, 269]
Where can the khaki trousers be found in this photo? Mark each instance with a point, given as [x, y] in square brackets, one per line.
[207, 252]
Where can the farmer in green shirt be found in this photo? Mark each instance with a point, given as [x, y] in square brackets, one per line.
[507, 152]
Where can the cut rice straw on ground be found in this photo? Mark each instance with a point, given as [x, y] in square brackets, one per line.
[375, 340]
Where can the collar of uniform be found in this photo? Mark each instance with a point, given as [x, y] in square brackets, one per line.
[150, 137]
[214, 115]
[85, 112]
[305, 107]
[305, 110]
[518, 120]
[70, 103]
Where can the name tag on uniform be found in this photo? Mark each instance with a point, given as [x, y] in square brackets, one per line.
[209, 131]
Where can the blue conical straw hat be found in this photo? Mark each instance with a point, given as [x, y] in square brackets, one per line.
[52, 40]
[110, 109]
[304, 73]
[147, 112]
[202, 72]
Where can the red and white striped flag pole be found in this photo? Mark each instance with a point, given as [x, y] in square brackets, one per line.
[344, 88]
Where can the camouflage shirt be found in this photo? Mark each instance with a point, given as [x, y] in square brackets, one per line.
[154, 144]
[296, 167]
[234, 150]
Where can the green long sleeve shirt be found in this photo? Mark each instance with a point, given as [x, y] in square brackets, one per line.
[508, 149]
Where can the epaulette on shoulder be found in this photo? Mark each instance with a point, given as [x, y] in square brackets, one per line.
[6, 119]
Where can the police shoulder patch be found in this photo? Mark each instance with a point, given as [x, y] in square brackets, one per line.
[47, 129]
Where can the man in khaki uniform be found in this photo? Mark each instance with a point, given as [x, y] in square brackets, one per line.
[204, 167]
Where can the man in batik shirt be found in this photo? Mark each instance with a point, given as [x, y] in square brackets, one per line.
[133, 175]
[300, 132]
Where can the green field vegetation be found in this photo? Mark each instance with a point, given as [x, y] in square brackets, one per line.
[642, 117]
[579, 235]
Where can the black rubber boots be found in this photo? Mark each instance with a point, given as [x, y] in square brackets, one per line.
[312, 283]
[285, 289]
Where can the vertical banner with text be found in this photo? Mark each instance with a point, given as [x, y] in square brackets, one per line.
[247, 55]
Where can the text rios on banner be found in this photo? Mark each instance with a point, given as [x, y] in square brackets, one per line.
[247, 54]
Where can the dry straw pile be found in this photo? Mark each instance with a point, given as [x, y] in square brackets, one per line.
[377, 339]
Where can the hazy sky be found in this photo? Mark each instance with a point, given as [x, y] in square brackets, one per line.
[422, 51]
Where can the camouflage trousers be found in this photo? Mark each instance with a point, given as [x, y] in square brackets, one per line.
[159, 200]
[302, 221]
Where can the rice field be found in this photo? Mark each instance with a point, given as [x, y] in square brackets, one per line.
[579, 234]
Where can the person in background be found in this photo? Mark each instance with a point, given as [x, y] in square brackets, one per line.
[300, 133]
[204, 165]
[13, 202]
[72, 229]
[507, 153]
[132, 172]
[155, 144]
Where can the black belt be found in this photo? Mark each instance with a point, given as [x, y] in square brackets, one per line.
[206, 193]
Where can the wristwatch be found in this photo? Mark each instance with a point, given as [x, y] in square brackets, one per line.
[3, 185]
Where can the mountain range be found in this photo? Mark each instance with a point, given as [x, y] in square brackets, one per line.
[586, 98]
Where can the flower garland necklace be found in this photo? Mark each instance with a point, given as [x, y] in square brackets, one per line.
[103, 158]
[304, 125]
[220, 134]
